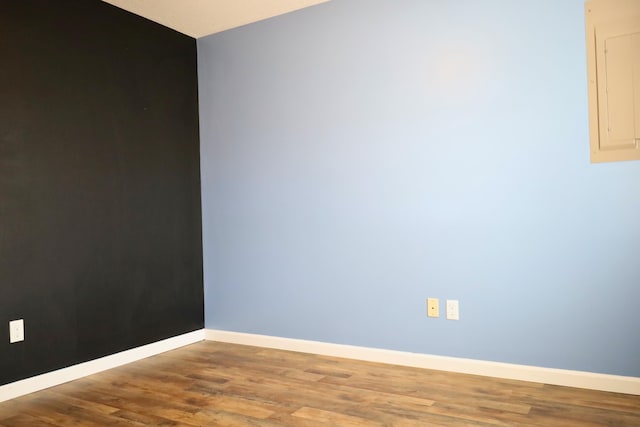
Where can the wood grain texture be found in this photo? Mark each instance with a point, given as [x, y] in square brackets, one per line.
[219, 384]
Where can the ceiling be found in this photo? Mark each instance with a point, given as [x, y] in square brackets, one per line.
[199, 18]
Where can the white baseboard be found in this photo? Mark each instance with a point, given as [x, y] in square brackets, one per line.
[61, 376]
[587, 380]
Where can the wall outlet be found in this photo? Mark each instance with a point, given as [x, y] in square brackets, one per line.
[16, 331]
[433, 307]
[453, 309]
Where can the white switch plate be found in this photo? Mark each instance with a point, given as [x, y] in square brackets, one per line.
[16, 331]
[453, 309]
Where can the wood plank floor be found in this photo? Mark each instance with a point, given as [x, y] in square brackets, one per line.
[217, 384]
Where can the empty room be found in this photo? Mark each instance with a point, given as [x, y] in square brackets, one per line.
[319, 213]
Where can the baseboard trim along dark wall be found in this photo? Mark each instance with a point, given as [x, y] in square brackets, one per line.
[100, 219]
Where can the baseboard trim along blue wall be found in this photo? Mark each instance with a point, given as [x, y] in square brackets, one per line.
[587, 380]
[561, 377]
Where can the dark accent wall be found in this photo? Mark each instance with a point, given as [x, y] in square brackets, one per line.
[100, 221]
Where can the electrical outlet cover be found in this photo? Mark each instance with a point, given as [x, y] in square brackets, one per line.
[16, 331]
[453, 309]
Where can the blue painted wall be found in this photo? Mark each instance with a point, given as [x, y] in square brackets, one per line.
[361, 155]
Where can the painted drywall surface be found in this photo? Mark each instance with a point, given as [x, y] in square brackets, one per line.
[100, 219]
[360, 156]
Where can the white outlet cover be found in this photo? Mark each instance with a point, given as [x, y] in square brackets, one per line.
[16, 331]
[453, 309]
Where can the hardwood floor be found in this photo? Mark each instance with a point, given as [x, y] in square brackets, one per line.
[217, 384]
